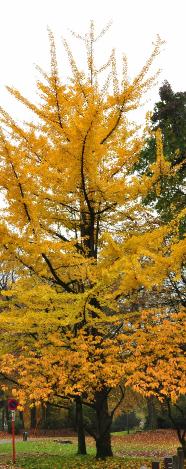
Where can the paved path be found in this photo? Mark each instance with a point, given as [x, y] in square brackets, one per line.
[33, 438]
[6, 441]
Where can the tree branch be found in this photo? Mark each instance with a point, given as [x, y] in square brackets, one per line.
[119, 402]
[115, 125]
[82, 172]
[53, 272]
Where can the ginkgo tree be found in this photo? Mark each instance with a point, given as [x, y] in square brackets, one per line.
[76, 234]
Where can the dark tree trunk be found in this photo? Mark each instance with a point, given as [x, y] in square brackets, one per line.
[104, 420]
[152, 417]
[180, 433]
[33, 417]
[3, 419]
[181, 436]
[184, 448]
[80, 426]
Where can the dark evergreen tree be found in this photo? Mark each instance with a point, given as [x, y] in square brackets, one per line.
[170, 116]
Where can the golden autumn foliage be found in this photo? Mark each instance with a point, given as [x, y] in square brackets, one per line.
[81, 243]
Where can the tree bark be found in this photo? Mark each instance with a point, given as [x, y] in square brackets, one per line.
[184, 448]
[104, 420]
[3, 419]
[33, 417]
[152, 417]
[27, 418]
[180, 433]
[182, 440]
[80, 426]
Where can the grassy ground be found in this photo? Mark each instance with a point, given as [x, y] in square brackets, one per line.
[131, 452]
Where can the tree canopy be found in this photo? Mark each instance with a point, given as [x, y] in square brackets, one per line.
[80, 240]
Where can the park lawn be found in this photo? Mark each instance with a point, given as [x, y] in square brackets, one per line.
[48, 454]
[131, 451]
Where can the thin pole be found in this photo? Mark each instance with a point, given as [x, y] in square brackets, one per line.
[13, 437]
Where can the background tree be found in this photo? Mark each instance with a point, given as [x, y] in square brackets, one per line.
[159, 360]
[169, 115]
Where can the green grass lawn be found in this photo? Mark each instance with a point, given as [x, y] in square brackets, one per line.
[131, 452]
[124, 432]
[52, 455]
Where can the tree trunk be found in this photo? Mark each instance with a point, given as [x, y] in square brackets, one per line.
[180, 433]
[184, 448]
[33, 417]
[152, 417]
[182, 440]
[104, 420]
[80, 427]
[27, 418]
[3, 419]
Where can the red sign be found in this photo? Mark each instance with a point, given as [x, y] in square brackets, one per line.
[12, 404]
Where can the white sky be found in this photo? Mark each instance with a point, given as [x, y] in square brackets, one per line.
[23, 36]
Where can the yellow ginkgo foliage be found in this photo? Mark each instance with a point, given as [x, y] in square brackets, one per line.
[77, 236]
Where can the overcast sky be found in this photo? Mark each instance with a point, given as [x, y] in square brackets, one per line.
[23, 34]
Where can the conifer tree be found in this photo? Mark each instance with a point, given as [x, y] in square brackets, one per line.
[169, 115]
